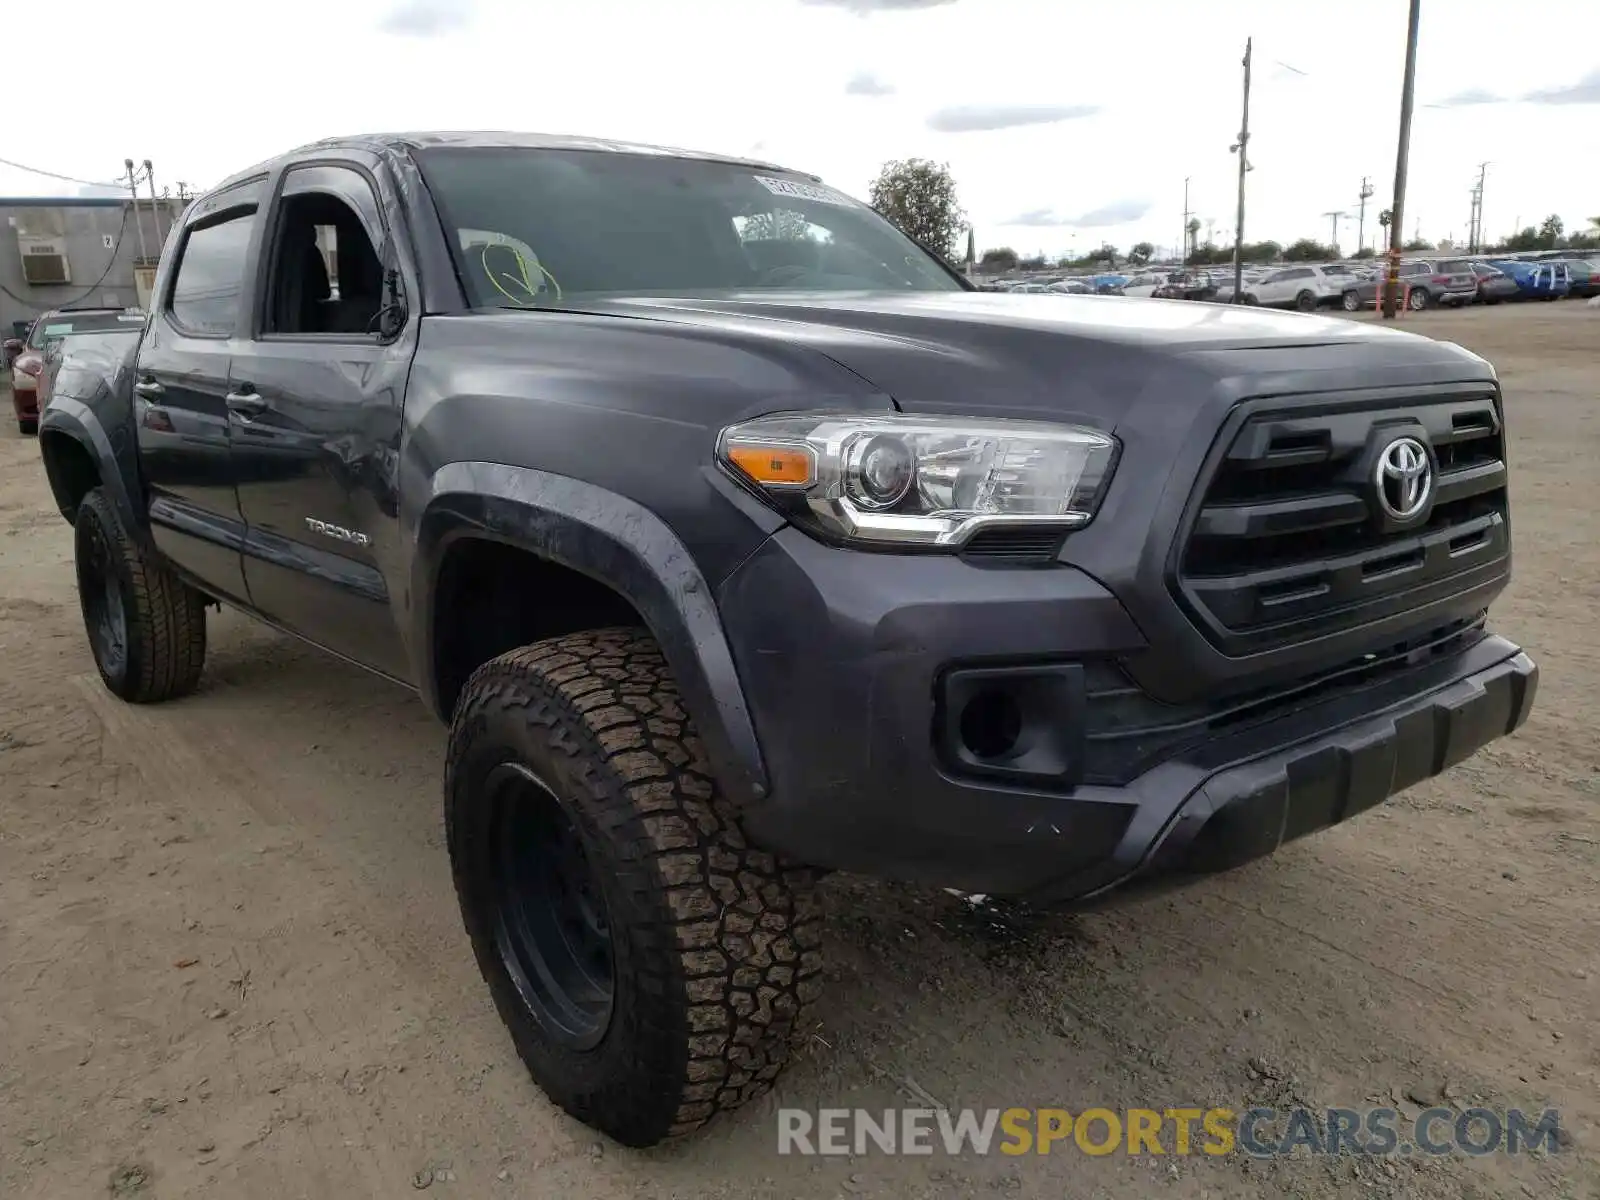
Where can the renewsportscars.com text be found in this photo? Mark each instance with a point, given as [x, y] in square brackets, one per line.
[1259, 1132]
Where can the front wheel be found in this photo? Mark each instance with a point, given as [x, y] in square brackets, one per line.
[147, 628]
[1351, 301]
[652, 967]
[1250, 298]
[1417, 299]
[1306, 301]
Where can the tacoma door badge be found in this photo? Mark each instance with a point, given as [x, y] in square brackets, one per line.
[337, 532]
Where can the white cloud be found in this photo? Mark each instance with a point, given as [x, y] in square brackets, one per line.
[869, 6]
[427, 18]
[983, 118]
[1119, 212]
[1585, 91]
[868, 84]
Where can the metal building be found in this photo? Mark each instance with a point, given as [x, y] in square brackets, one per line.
[81, 250]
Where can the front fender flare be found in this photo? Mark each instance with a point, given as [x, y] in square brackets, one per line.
[617, 542]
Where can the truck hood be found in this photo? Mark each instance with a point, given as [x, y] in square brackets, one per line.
[1059, 355]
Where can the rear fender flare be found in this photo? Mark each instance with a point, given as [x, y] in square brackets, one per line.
[76, 420]
[617, 542]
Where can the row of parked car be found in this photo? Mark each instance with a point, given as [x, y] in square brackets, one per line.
[1352, 286]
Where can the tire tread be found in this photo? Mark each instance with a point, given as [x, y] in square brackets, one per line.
[730, 962]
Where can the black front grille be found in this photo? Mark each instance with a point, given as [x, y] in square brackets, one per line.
[1289, 540]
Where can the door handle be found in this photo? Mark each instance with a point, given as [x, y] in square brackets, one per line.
[148, 387]
[245, 404]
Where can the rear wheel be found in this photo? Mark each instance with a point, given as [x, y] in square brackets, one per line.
[1351, 301]
[652, 967]
[147, 628]
[1417, 299]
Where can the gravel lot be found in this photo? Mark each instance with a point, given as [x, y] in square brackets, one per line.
[233, 966]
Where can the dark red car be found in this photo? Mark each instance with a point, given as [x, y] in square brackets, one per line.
[27, 368]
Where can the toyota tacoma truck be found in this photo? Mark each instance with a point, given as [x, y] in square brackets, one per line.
[738, 539]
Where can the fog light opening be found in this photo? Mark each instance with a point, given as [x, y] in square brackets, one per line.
[991, 724]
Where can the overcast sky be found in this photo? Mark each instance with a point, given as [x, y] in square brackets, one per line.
[1066, 122]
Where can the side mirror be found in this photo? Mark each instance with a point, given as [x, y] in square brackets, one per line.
[12, 345]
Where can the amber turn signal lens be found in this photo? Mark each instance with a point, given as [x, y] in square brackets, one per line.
[791, 466]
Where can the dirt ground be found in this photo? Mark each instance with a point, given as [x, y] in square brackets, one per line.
[231, 963]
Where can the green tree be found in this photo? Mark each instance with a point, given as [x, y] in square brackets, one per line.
[919, 196]
[1308, 250]
[1417, 244]
[1193, 231]
[1141, 253]
[1525, 239]
[1550, 231]
[1034, 262]
[999, 258]
[1365, 252]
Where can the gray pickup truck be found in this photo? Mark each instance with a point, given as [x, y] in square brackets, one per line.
[738, 539]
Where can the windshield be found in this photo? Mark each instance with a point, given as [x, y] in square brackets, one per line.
[52, 327]
[533, 228]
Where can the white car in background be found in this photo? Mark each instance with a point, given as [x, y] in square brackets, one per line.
[1303, 288]
[1146, 283]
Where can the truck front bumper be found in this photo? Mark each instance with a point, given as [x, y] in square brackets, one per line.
[857, 665]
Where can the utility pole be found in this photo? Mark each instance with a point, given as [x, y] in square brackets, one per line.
[1364, 195]
[1242, 149]
[1475, 225]
[1335, 215]
[1183, 242]
[1391, 282]
[155, 204]
[133, 190]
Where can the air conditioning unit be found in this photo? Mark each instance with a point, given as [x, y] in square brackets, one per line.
[44, 261]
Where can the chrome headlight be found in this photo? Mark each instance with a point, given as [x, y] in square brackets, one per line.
[898, 480]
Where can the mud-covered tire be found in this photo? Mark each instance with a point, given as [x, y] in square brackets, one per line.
[714, 947]
[146, 627]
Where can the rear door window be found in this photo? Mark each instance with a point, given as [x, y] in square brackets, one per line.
[209, 288]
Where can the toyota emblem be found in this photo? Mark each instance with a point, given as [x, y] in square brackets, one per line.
[1404, 479]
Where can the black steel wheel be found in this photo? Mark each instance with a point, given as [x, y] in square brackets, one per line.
[550, 923]
[100, 595]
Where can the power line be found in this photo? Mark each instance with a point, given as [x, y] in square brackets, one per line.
[6, 162]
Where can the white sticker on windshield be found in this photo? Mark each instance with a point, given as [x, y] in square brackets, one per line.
[57, 330]
[804, 191]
